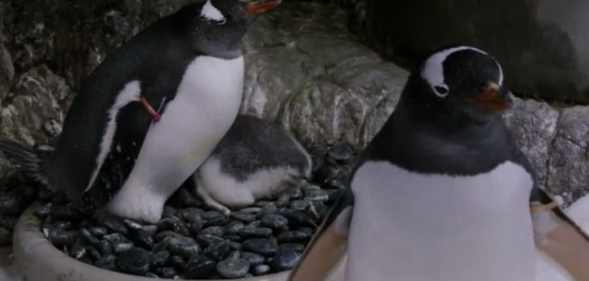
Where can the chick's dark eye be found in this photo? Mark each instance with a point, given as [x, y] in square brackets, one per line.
[441, 90]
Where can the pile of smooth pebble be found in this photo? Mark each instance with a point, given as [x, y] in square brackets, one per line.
[193, 241]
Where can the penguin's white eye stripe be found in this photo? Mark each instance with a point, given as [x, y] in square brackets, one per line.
[210, 12]
[433, 69]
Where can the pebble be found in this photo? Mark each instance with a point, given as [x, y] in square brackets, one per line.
[182, 246]
[214, 218]
[218, 251]
[160, 258]
[233, 267]
[261, 269]
[253, 232]
[265, 247]
[135, 260]
[166, 272]
[62, 237]
[10, 205]
[253, 258]
[286, 258]
[244, 216]
[201, 267]
[174, 224]
[294, 236]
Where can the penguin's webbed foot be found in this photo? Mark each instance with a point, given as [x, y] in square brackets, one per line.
[211, 202]
[141, 206]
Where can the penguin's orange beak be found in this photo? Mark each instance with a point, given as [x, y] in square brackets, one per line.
[261, 6]
[492, 99]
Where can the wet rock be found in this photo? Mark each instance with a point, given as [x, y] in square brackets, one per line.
[275, 221]
[295, 236]
[113, 223]
[261, 269]
[286, 258]
[61, 237]
[135, 260]
[253, 258]
[207, 239]
[178, 263]
[174, 224]
[299, 205]
[142, 237]
[160, 258]
[98, 231]
[182, 246]
[213, 218]
[166, 272]
[107, 262]
[244, 216]
[266, 247]
[252, 232]
[218, 251]
[214, 230]
[293, 247]
[201, 267]
[233, 267]
[122, 247]
[234, 227]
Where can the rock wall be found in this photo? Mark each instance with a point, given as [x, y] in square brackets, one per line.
[304, 69]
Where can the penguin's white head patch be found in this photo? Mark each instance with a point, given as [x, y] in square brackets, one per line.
[210, 12]
[433, 70]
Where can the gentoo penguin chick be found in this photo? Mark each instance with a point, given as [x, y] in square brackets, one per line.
[156, 108]
[442, 192]
[255, 159]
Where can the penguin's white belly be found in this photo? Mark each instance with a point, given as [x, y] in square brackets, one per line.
[416, 227]
[204, 108]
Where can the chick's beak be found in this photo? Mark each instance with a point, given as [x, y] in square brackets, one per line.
[261, 6]
[493, 98]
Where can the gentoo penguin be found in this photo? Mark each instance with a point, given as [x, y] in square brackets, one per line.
[158, 105]
[442, 192]
[255, 159]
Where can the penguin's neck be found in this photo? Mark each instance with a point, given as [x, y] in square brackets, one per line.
[433, 143]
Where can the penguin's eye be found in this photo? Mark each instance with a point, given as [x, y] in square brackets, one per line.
[441, 90]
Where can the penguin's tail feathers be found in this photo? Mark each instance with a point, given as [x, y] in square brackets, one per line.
[27, 160]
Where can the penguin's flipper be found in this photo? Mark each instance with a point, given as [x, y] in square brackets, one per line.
[26, 159]
[328, 245]
[559, 236]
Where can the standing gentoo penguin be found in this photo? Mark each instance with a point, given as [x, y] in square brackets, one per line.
[442, 193]
[190, 67]
[255, 159]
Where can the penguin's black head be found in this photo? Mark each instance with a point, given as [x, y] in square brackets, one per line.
[460, 81]
[221, 25]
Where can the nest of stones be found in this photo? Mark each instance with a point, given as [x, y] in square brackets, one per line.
[193, 241]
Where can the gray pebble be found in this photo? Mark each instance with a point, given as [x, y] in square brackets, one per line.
[233, 267]
[135, 260]
[266, 247]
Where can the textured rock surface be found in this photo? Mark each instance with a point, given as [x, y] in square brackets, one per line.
[312, 75]
[568, 170]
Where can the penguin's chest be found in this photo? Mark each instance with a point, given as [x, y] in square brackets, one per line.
[205, 106]
[416, 227]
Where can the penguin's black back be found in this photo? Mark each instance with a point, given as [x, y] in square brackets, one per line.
[157, 58]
